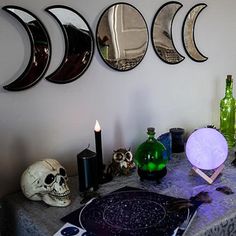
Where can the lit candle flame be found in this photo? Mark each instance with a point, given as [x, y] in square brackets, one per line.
[97, 127]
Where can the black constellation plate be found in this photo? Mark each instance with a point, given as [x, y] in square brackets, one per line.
[129, 212]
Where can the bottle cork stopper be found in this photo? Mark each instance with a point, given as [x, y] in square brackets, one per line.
[229, 79]
[151, 130]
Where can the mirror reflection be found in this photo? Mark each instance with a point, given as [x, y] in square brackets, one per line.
[162, 33]
[79, 44]
[188, 33]
[122, 36]
[40, 49]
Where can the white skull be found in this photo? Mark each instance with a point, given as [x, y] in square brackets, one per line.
[46, 180]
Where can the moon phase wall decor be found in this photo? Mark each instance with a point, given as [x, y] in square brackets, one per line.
[122, 36]
[188, 33]
[79, 44]
[162, 33]
[40, 49]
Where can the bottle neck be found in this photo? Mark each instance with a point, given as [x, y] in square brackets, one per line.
[151, 137]
[229, 88]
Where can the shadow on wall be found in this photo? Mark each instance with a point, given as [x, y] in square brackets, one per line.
[118, 136]
[215, 101]
[140, 116]
[136, 122]
[13, 164]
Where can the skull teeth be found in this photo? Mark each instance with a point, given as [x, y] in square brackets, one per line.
[61, 196]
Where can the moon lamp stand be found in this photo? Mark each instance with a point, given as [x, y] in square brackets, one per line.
[212, 178]
[207, 150]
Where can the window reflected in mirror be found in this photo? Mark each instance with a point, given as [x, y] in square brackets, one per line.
[161, 34]
[122, 36]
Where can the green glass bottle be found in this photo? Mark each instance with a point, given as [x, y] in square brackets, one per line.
[227, 113]
[151, 158]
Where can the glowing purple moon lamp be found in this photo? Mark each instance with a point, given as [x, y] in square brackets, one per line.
[207, 149]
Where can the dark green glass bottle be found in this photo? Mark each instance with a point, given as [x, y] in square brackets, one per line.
[151, 158]
[227, 113]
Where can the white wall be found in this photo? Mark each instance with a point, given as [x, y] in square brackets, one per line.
[57, 121]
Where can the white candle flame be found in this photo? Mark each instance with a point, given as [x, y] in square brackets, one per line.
[97, 127]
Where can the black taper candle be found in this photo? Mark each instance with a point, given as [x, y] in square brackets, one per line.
[98, 142]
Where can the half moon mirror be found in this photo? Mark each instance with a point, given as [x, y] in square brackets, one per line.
[79, 44]
[162, 33]
[122, 36]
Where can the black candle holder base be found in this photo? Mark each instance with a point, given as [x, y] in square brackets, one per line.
[88, 195]
[105, 177]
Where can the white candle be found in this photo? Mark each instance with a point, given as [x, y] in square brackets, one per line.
[97, 127]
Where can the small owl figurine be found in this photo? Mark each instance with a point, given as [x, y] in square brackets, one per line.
[122, 162]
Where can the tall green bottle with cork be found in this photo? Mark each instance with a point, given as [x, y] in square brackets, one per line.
[227, 113]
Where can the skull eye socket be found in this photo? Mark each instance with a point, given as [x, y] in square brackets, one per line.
[49, 179]
[62, 172]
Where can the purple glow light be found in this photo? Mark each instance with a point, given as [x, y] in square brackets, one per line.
[206, 149]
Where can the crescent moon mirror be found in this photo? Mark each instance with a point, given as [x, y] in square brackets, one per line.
[162, 39]
[188, 33]
[39, 45]
[79, 44]
[122, 36]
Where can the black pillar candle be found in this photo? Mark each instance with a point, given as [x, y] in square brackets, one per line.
[98, 142]
[87, 170]
[177, 140]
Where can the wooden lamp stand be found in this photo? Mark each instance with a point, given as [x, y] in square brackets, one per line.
[210, 179]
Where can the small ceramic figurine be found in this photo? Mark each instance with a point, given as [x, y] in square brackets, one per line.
[122, 163]
[46, 180]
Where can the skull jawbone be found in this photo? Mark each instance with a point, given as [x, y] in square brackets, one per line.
[56, 201]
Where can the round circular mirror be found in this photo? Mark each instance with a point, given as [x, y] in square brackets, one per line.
[122, 36]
